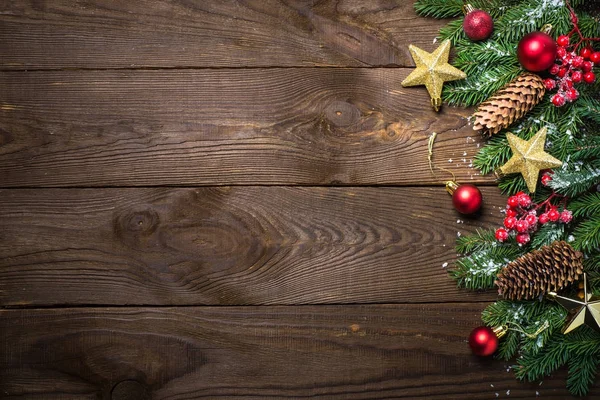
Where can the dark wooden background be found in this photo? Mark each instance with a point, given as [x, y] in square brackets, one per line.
[231, 199]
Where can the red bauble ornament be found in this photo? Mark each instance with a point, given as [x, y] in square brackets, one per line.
[483, 340]
[478, 25]
[467, 199]
[537, 51]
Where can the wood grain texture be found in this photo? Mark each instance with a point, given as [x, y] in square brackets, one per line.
[180, 33]
[324, 352]
[226, 127]
[231, 246]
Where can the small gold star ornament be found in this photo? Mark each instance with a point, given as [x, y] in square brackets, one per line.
[432, 71]
[586, 311]
[529, 158]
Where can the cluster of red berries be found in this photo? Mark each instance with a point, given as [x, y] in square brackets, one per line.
[522, 218]
[569, 69]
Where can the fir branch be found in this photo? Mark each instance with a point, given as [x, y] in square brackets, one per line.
[477, 88]
[553, 356]
[530, 16]
[582, 371]
[494, 154]
[585, 148]
[577, 179]
[586, 205]
[439, 9]
[453, 31]
[590, 27]
[509, 346]
[587, 234]
[512, 184]
[472, 58]
[478, 270]
[592, 263]
[479, 241]
[548, 234]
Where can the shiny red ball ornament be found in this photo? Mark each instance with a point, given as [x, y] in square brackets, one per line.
[466, 198]
[478, 24]
[537, 51]
[483, 341]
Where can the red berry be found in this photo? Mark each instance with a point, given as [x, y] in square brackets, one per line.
[562, 72]
[566, 216]
[587, 66]
[549, 83]
[513, 201]
[501, 234]
[576, 76]
[572, 94]
[553, 215]
[585, 52]
[544, 218]
[523, 238]
[554, 69]
[558, 100]
[577, 61]
[522, 226]
[568, 83]
[531, 220]
[563, 40]
[510, 222]
[589, 77]
[561, 52]
[595, 57]
[546, 178]
[510, 212]
[524, 200]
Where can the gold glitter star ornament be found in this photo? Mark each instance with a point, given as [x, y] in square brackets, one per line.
[529, 158]
[432, 71]
[586, 311]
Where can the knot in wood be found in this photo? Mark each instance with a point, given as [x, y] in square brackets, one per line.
[142, 222]
[130, 390]
[342, 113]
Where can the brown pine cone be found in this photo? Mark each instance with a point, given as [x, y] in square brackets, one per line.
[548, 269]
[509, 104]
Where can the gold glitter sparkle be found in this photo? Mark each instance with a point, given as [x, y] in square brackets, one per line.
[529, 158]
[432, 71]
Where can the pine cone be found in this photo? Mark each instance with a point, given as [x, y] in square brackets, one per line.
[509, 104]
[548, 269]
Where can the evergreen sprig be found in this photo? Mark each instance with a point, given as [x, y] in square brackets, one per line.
[574, 138]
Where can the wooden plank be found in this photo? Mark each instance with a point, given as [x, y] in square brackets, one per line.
[223, 127]
[232, 245]
[224, 33]
[324, 352]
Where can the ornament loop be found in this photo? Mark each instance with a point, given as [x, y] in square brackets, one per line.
[500, 331]
[467, 8]
[547, 28]
[451, 187]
